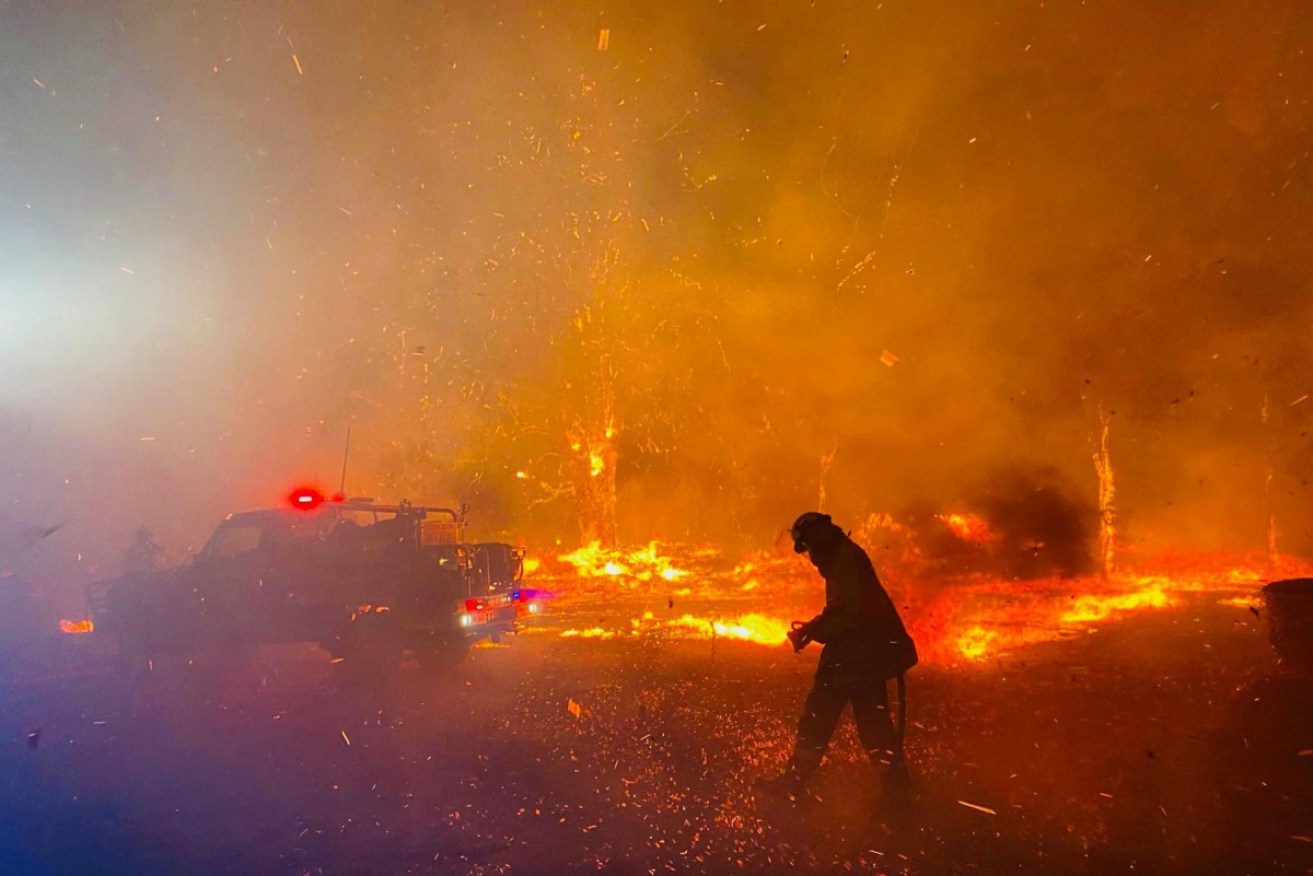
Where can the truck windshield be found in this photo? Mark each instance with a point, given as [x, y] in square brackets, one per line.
[233, 540]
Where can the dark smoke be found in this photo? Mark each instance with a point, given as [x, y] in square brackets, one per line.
[1038, 526]
[1043, 530]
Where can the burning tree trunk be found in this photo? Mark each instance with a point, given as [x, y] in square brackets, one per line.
[1267, 491]
[1107, 491]
[594, 458]
[596, 490]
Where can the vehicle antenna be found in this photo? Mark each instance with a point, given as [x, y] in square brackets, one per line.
[346, 455]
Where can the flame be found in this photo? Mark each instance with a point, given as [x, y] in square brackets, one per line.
[644, 564]
[1038, 613]
[748, 628]
[968, 527]
[596, 464]
[1091, 607]
[975, 642]
[966, 620]
[531, 565]
[754, 628]
[76, 627]
[590, 633]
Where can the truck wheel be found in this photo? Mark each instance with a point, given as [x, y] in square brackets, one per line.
[367, 649]
[442, 656]
[134, 656]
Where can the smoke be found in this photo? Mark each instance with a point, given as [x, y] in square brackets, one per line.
[1025, 525]
[925, 241]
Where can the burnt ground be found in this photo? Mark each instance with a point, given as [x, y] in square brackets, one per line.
[1142, 747]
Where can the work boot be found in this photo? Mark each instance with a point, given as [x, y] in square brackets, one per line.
[896, 785]
[789, 784]
[893, 806]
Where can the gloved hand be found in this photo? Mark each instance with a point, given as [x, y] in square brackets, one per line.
[800, 635]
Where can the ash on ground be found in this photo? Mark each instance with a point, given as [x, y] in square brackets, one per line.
[1165, 743]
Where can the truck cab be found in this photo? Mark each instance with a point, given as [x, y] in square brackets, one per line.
[369, 582]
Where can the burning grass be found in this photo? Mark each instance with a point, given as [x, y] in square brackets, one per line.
[682, 592]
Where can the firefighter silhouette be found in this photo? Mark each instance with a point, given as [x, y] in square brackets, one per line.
[865, 644]
[144, 555]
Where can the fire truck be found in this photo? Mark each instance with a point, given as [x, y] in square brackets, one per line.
[370, 583]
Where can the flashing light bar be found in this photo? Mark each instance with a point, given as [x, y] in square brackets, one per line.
[306, 498]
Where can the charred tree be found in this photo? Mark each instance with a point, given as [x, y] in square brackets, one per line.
[1107, 494]
[593, 455]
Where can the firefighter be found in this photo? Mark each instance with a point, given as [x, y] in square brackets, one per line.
[145, 555]
[865, 643]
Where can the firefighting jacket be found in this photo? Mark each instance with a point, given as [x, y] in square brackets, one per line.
[860, 626]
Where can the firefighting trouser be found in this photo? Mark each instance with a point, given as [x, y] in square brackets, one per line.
[835, 686]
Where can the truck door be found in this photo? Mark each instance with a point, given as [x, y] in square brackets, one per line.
[229, 576]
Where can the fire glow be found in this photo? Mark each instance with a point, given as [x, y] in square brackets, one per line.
[968, 527]
[960, 621]
[644, 564]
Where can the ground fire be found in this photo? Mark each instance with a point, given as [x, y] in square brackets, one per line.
[973, 618]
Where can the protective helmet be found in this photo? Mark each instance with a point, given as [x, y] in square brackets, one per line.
[804, 523]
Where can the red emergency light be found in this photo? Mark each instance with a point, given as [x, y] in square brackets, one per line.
[306, 498]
